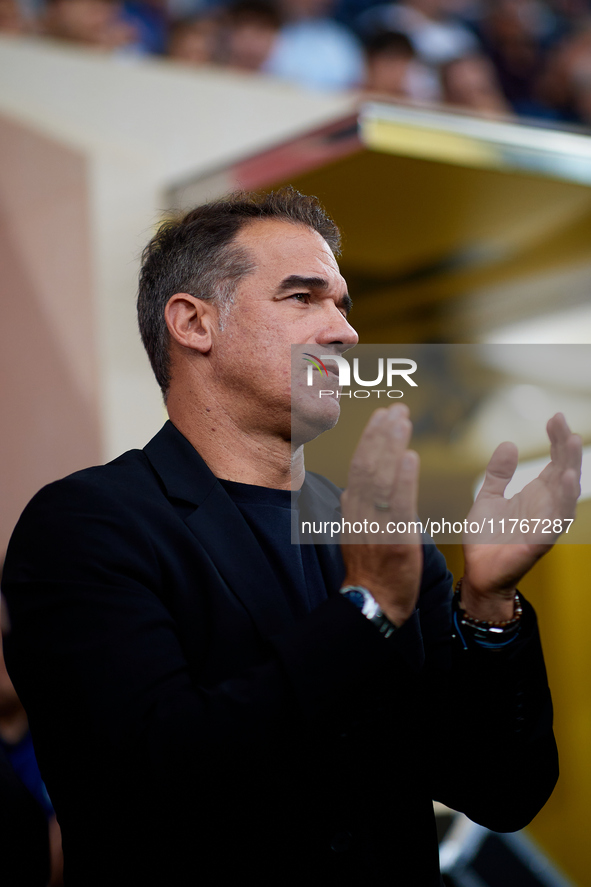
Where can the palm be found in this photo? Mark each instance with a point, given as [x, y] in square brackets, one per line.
[550, 497]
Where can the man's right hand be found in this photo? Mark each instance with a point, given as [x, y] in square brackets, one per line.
[383, 487]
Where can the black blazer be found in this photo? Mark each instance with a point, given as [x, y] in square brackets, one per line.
[190, 731]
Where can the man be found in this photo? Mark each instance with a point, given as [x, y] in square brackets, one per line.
[207, 706]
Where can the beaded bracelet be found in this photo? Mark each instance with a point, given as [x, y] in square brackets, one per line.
[478, 623]
[486, 634]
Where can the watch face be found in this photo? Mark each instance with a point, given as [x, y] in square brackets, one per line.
[357, 598]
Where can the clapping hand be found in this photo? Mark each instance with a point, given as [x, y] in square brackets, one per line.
[495, 564]
[383, 487]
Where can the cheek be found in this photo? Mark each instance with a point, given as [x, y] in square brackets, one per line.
[260, 368]
[258, 350]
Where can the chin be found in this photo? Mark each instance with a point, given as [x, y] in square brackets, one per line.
[311, 419]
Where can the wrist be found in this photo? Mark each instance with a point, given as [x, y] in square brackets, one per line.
[486, 605]
[494, 634]
[363, 600]
[396, 612]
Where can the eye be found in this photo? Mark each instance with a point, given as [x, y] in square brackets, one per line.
[301, 297]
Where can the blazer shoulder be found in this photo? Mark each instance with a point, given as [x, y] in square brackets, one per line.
[129, 476]
[100, 515]
[115, 495]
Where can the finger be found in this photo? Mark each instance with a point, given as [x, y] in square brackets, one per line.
[397, 431]
[564, 469]
[404, 499]
[499, 470]
[367, 451]
[571, 486]
[382, 441]
[565, 447]
[571, 459]
[575, 454]
[558, 432]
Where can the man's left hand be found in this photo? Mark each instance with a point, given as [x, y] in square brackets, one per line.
[493, 569]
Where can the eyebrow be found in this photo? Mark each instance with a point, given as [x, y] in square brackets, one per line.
[296, 280]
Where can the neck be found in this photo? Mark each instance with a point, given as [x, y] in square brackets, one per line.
[235, 450]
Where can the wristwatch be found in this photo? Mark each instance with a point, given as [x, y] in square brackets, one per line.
[363, 599]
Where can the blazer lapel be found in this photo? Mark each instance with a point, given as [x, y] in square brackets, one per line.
[221, 529]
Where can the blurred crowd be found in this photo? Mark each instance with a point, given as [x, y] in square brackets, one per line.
[524, 57]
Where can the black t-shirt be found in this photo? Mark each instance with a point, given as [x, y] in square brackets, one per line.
[268, 513]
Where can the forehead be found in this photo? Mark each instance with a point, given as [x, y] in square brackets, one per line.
[281, 248]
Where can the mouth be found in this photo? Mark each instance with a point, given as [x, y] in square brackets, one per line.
[329, 366]
[333, 368]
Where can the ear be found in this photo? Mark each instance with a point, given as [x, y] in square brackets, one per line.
[191, 322]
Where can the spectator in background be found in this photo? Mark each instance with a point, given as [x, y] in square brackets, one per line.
[529, 57]
[393, 70]
[582, 92]
[514, 33]
[249, 30]
[313, 50]
[149, 20]
[471, 82]
[565, 83]
[93, 23]
[240, 37]
[437, 37]
[12, 19]
[30, 839]
[194, 41]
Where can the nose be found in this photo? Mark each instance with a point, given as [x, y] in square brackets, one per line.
[336, 330]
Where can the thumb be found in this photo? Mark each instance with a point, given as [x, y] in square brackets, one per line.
[499, 470]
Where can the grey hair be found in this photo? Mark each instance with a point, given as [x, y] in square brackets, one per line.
[197, 254]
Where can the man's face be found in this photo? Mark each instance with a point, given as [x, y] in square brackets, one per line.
[295, 296]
